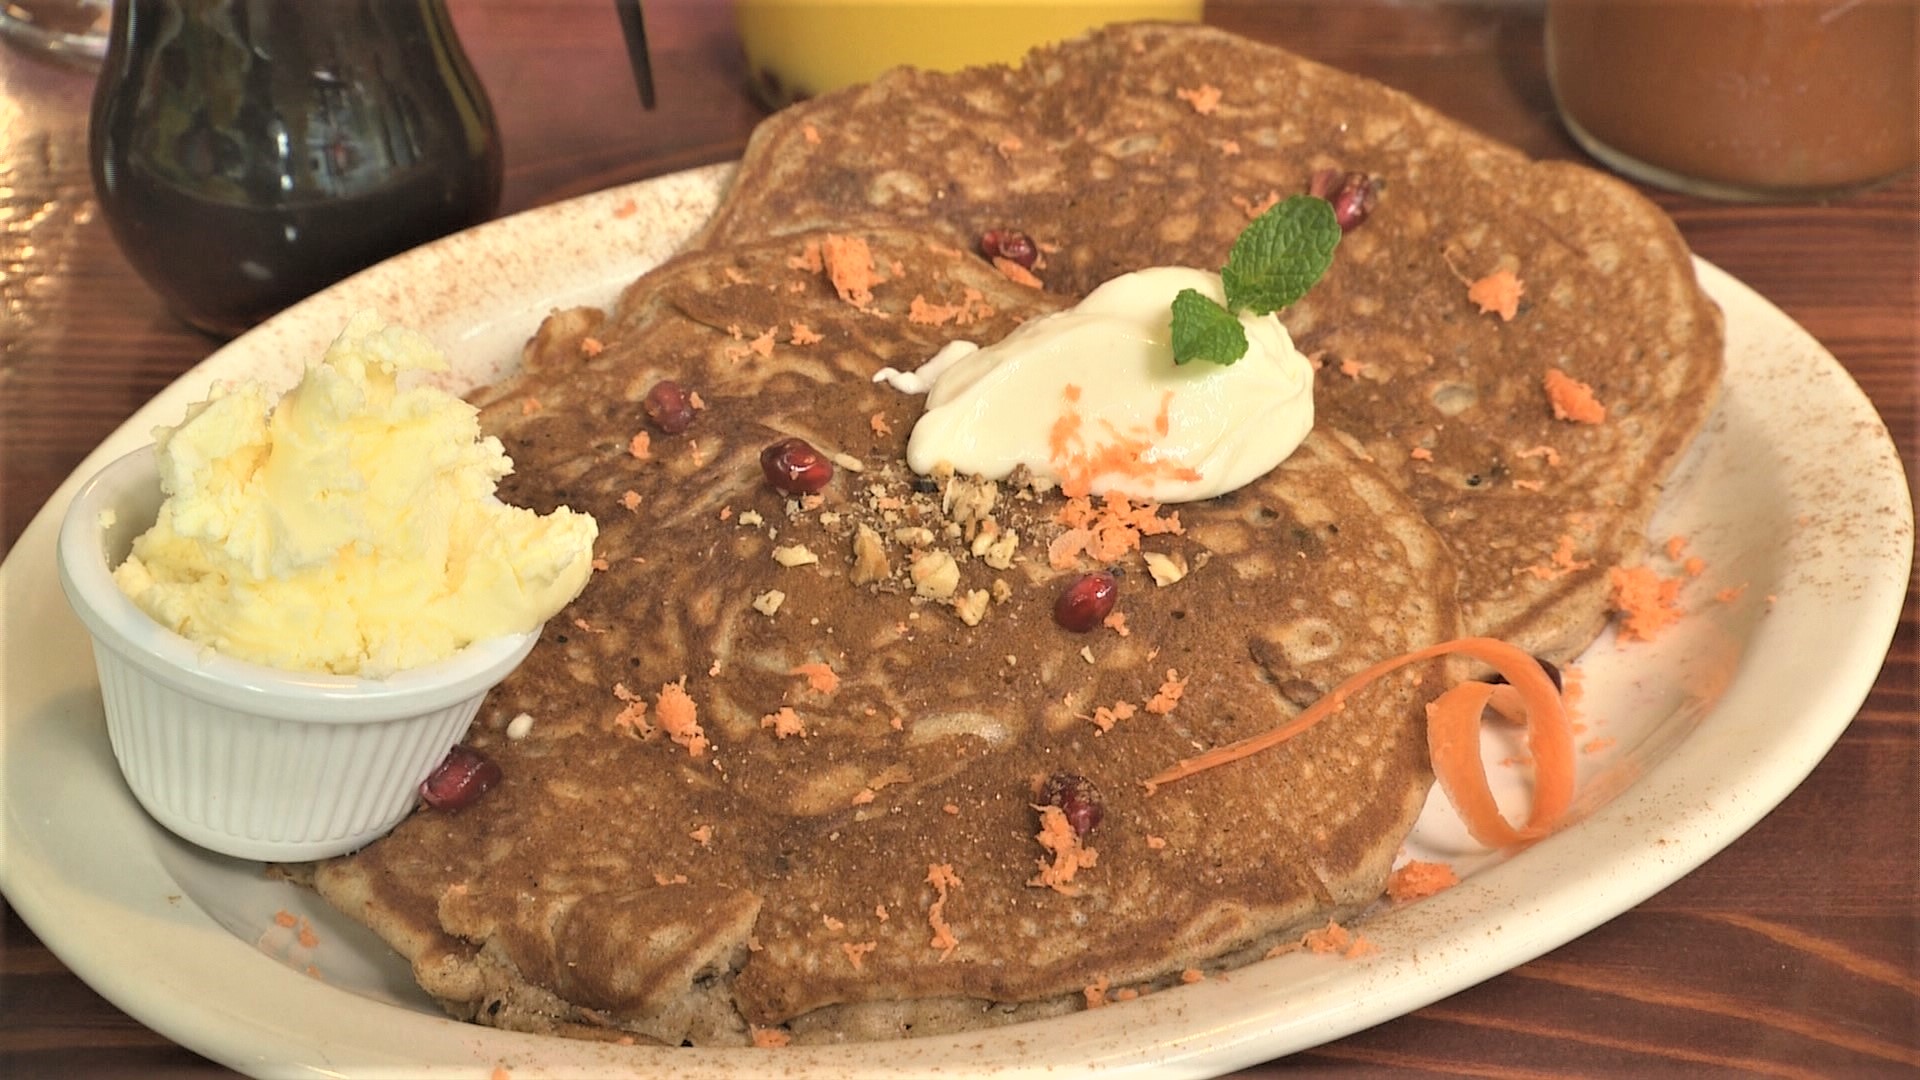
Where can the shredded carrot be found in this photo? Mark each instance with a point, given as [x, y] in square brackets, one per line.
[1572, 399]
[702, 835]
[808, 260]
[1334, 938]
[285, 918]
[1453, 738]
[678, 717]
[820, 677]
[857, 951]
[1204, 98]
[1168, 696]
[849, 263]
[1192, 975]
[632, 719]
[770, 1038]
[639, 444]
[942, 878]
[1418, 880]
[1647, 602]
[810, 133]
[1104, 718]
[1498, 294]
[1056, 835]
[1096, 993]
[784, 722]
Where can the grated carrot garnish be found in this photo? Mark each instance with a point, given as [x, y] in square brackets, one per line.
[1068, 857]
[942, 878]
[784, 722]
[1417, 880]
[679, 717]
[1498, 294]
[849, 264]
[1204, 98]
[1572, 399]
[820, 677]
[1168, 696]
[1647, 602]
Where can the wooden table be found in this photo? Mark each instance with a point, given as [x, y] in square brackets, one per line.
[1795, 952]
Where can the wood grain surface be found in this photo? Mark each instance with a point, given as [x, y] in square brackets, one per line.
[1795, 952]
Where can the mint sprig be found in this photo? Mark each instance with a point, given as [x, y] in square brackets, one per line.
[1273, 262]
[1203, 330]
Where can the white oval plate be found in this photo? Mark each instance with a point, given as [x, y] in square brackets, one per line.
[1795, 498]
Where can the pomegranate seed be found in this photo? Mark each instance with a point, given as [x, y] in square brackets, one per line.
[1083, 604]
[1076, 797]
[795, 467]
[668, 407]
[1009, 244]
[464, 776]
[1352, 195]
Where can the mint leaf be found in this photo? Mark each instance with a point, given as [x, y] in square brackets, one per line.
[1279, 256]
[1203, 330]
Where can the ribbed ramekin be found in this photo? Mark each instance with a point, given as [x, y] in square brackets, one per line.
[240, 758]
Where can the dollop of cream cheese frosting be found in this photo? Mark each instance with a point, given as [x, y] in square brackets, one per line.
[1091, 399]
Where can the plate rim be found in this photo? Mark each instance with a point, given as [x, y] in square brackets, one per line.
[164, 996]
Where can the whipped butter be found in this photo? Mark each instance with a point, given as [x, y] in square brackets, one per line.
[1090, 398]
[351, 526]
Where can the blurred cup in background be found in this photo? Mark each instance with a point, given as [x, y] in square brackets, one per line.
[799, 48]
[1739, 99]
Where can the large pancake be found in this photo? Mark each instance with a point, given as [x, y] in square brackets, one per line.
[616, 884]
[1109, 152]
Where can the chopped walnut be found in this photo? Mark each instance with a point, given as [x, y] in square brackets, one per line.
[972, 607]
[792, 555]
[869, 557]
[967, 500]
[1002, 592]
[996, 547]
[913, 536]
[750, 519]
[935, 575]
[769, 602]
[1166, 569]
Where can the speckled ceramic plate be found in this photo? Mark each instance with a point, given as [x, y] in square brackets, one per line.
[1794, 498]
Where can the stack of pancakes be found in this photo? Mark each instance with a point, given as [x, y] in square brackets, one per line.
[849, 846]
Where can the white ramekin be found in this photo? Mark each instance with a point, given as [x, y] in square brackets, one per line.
[244, 759]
